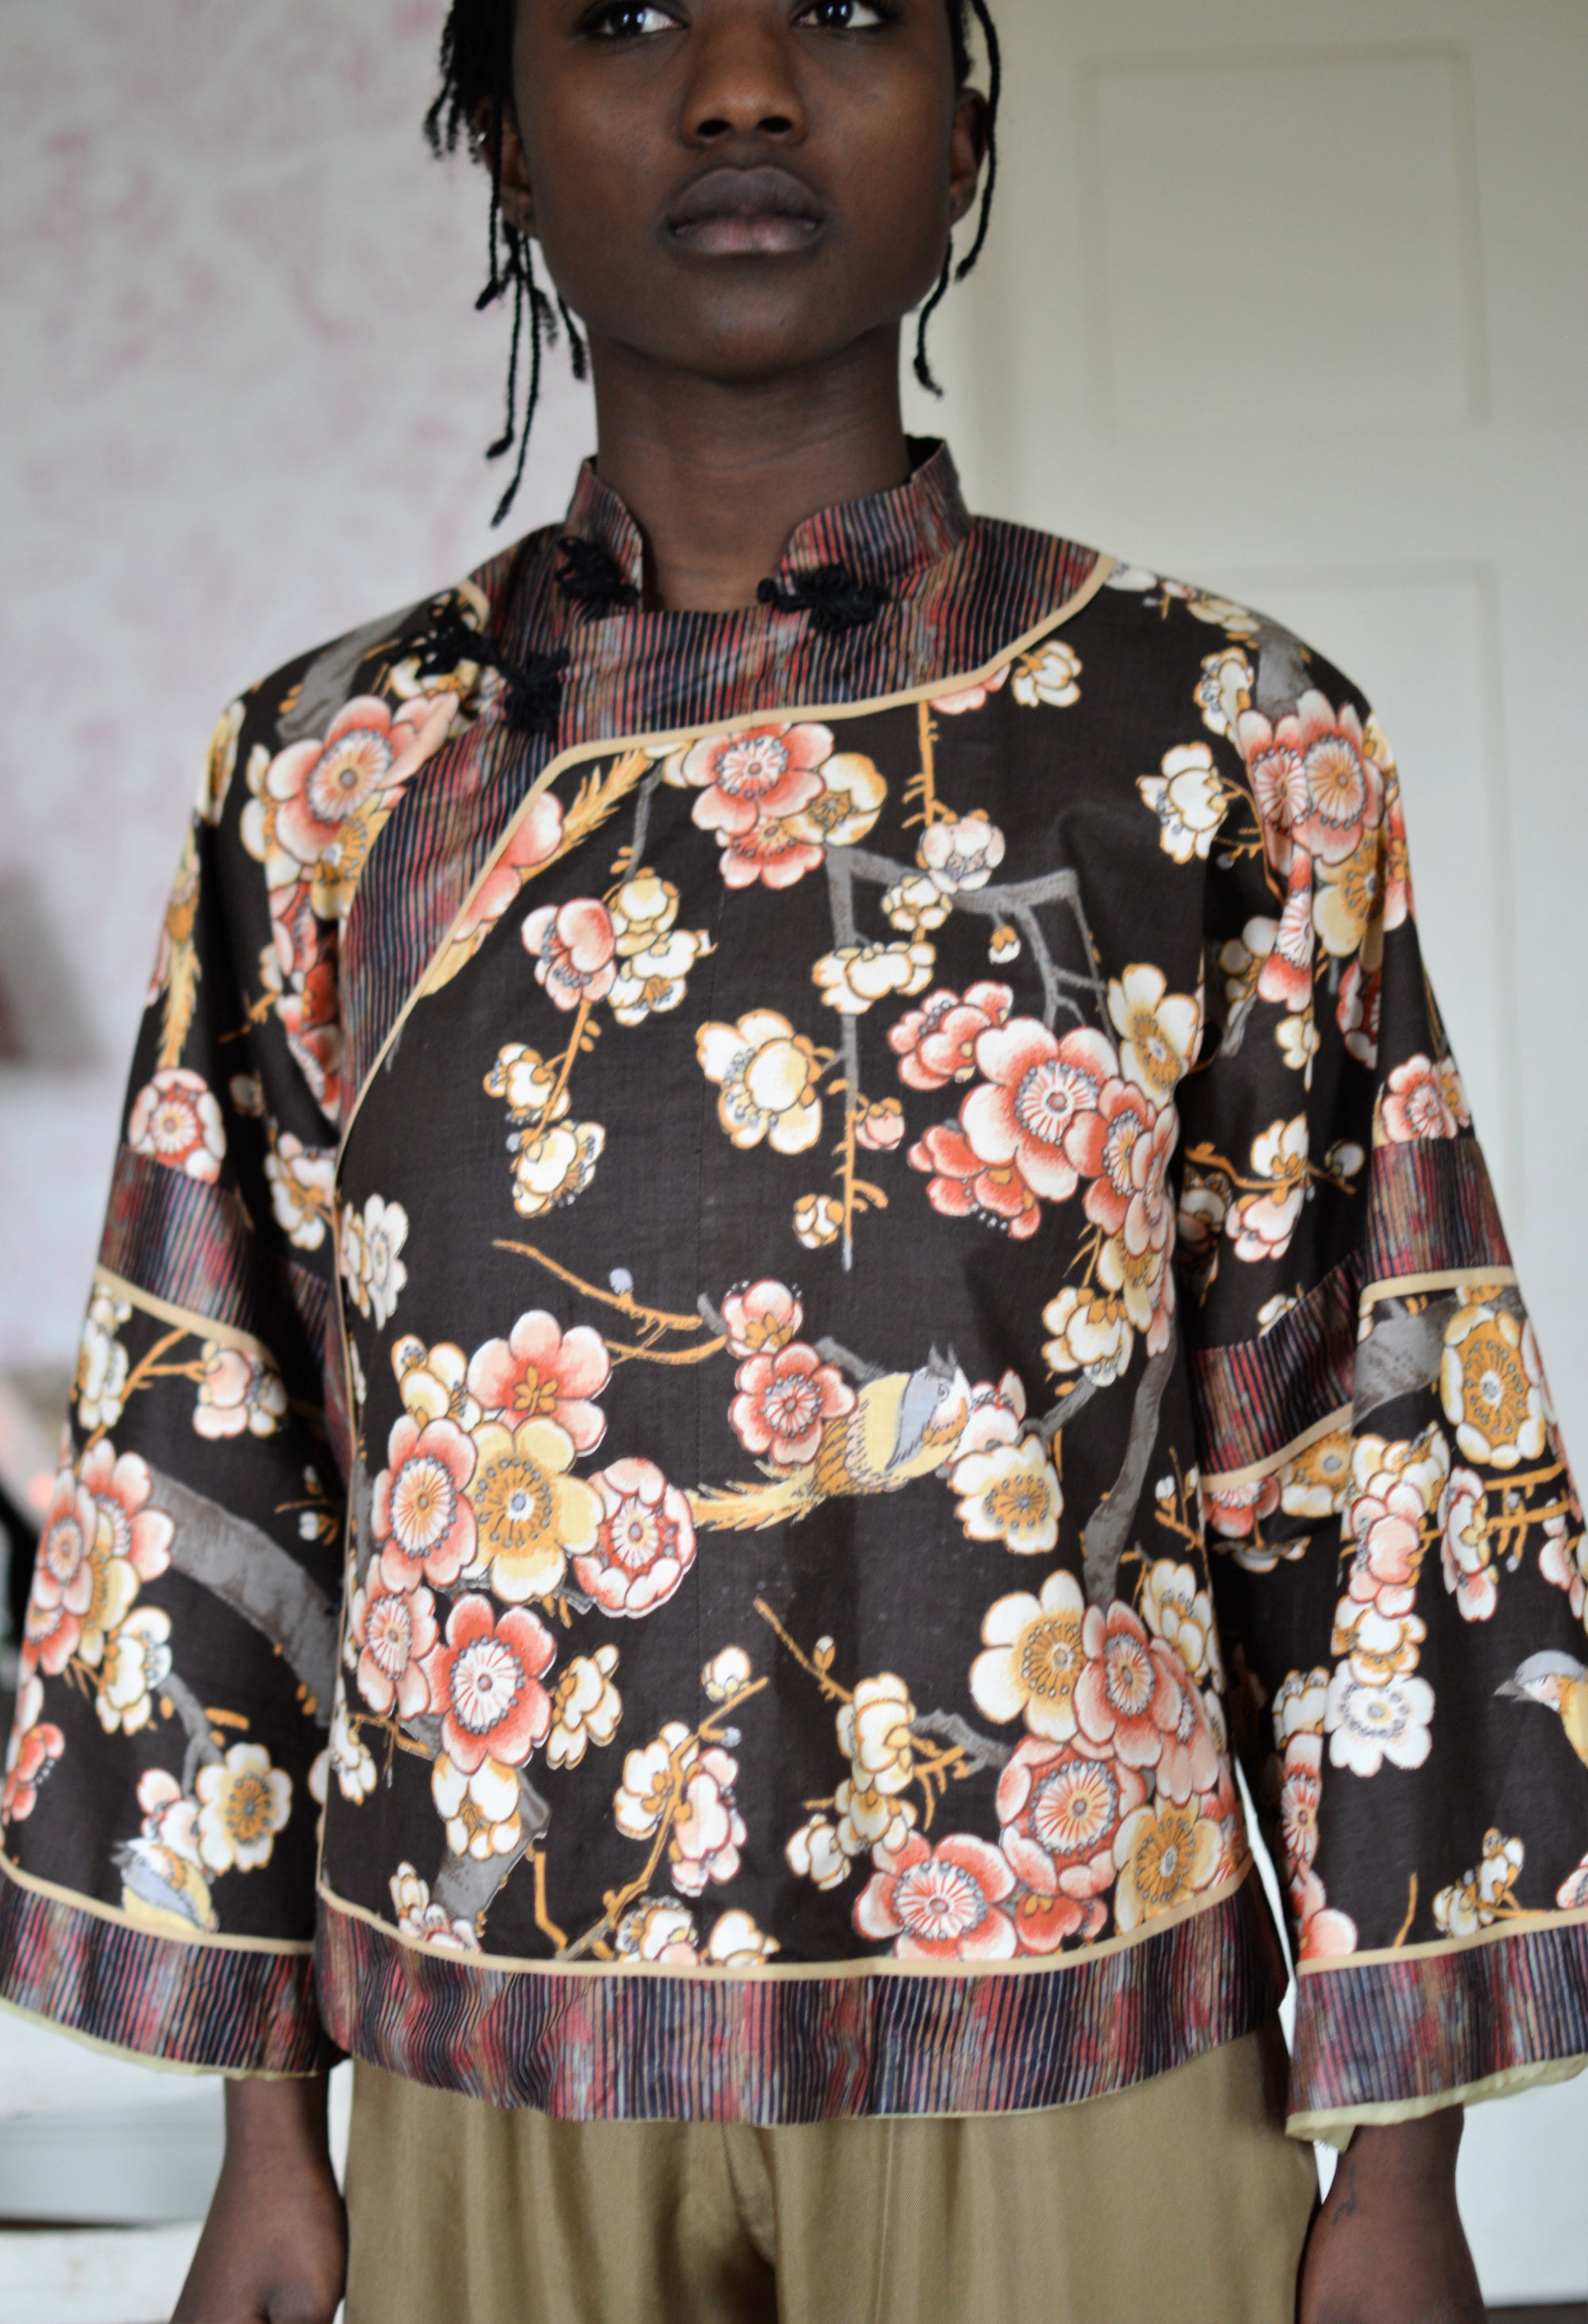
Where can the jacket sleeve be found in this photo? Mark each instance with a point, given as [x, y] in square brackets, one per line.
[179, 1656]
[1403, 1573]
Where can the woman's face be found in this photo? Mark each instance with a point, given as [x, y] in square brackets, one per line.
[739, 187]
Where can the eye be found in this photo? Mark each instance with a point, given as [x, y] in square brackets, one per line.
[844, 15]
[628, 20]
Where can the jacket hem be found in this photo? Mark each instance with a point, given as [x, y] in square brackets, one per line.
[225, 2009]
[1410, 2035]
[758, 2050]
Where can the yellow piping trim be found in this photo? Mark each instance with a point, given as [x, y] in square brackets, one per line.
[1226, 1479]
[212, 1940]
[1526, 1924]
[1333, 2124]
[794, 1972]
[1445, 1278]
[166, 1311]
[671, 737]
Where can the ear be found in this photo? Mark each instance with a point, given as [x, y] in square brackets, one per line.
[967, 149]
[512, 177]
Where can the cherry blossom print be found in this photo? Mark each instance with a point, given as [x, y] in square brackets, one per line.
[485, 1685]
[423, 1923]
[945, 1903]
[1038, 1106]
[302, 1188]
[768, 1075]
[652, 982]
[936, 1044]
[553, 1167]
[1572, 1895]
[726, 1674]
[585, 1707]
[1286, 976]
[784, 1403]
[658, 1929]
[1177, 1607]
[1010, 1493]
[1314, 785]
[916, 905]
[424, 1523]
[759, 772]
[372, 1265]
[1091, 1335]
[1190, 799]
[760, 1318]
[879, 1125]
[244, 1801]
[1003, 945]
[433, 1382]
[707, 1830]
[819, 1220]
[1125, 1697]
[1563, 1559]
[645, 1544]
[176, 1121]
[845, 808]
[1413, 1104]
[541, 1372]
[1395, 1487]
[534, 840]
[641, 1799]
[997, 1416]
[575, 951]
[239, 1393]
[394, 1631]
[480, 1809]
[1060, 1810]
[318, 787]
[1466, 1555]
[137, 1662]
[1050, 676]
[1492, 1386]
[970, 697]
[1192, 1760]
[1358, 1010]
[125, 1527]
[1370, 1724]
[1261, 1225]
[770, 852]
[530, 1516]
[1165, 1853]
[961, 855]
[1143, 1286]
[736, 1943]
[1485, 1896]
[815, 1853]
[34, 1746]
[348, 1757]
[1159, 1030]
[1034, 1658]
[103, 1363]
[1130, 1194]
[1398, 896]
[853, 978]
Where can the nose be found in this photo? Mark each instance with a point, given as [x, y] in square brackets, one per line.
[746, 82]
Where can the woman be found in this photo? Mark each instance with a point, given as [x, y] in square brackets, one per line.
[800, 1098]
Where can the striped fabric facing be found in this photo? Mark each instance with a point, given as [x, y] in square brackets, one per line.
[211, 2005]
[1430, 1206]
[623, 2045]
[1253, 1399]
[181, 1240]
[962, 589]
[1408, 2029]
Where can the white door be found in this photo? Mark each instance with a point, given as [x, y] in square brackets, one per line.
[1289, 300]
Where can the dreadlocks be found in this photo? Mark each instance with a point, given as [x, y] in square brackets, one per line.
[473, 100]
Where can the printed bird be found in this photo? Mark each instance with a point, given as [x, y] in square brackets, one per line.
[902, 1425]
[161, 1890]
[1561, 1685]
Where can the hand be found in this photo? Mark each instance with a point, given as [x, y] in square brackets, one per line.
[274, 2247]
[1387, 2246]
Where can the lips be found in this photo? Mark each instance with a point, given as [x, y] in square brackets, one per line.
[731, 213]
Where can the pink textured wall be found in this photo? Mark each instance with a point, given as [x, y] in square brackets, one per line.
[242, 398]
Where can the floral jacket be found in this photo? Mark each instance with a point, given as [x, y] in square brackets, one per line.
[774, 1281]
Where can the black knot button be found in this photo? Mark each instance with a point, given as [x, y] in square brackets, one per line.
[831, 596]
[531, 689]
[590, 577]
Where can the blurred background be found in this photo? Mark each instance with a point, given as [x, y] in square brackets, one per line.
[1286, 299]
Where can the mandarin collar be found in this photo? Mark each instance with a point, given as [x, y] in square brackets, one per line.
[889, 538]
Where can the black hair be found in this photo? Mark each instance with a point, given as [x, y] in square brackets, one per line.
[475, 98]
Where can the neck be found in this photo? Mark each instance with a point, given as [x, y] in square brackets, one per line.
[718, 474]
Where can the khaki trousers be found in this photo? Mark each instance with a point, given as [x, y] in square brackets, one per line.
[1178, 2201]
